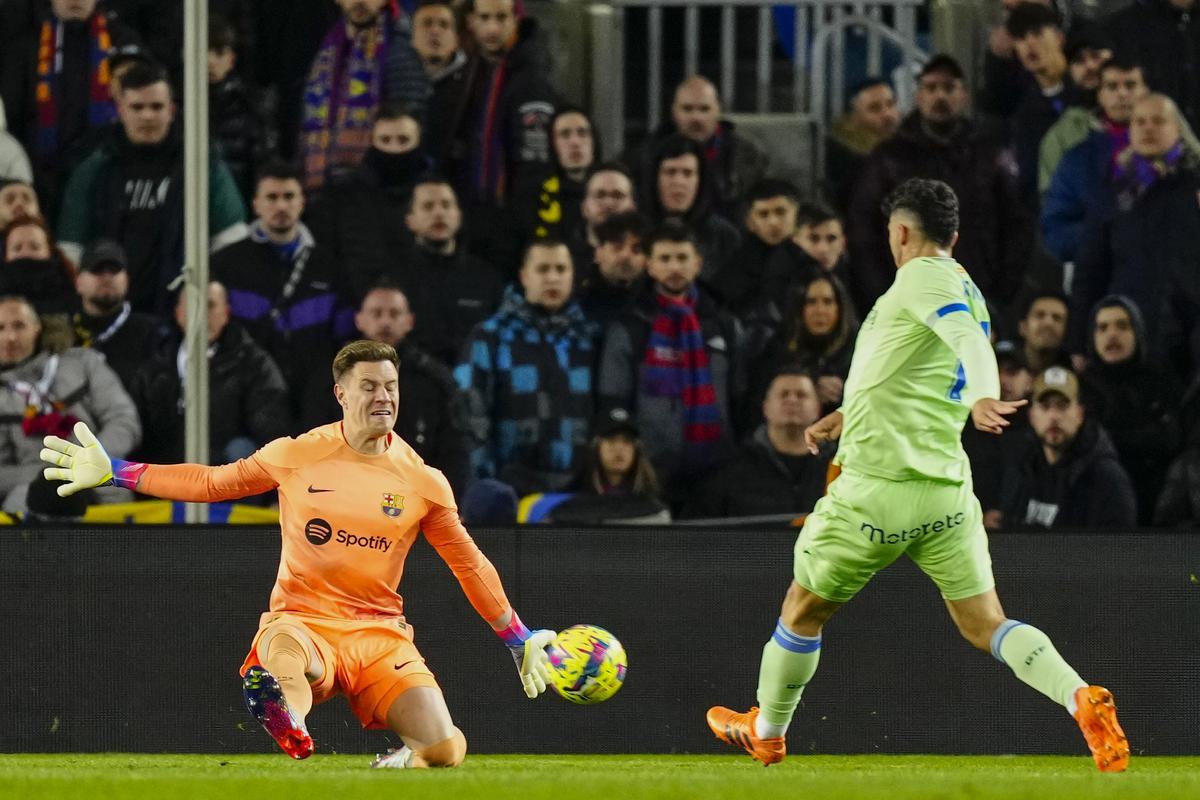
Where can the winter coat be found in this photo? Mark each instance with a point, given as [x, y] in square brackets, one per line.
[1077, 189]
[125, 349]
[82, 387]
[134, 194]
[1137, 402]
[448, 296]
[758, 482]
[1165, 42]
[1179, 504]
[1122, 252]
[300, 332]
[14, 163]
[996, 232]
[360, 217]
[661, 419]
[1087, 488]
[247, 397]
[1075, 125]
[528, 377]
[846, 151]
[1034, 118]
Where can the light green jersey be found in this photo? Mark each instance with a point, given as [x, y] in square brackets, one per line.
[921, 360]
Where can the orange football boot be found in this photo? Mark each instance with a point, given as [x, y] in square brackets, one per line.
[737, 729]
[1097, 717]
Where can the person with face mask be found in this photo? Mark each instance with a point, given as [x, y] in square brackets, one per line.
[360, 215]
[34, 267]
[527, 372]
[1135, 399]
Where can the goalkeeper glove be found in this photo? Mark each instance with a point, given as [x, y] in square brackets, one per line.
[528, 650]
[86, 465]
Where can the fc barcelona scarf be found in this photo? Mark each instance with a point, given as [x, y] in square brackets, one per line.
[343, 92]
[676, 365]
[101, 110]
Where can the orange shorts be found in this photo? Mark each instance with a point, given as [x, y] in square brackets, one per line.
[371, 662]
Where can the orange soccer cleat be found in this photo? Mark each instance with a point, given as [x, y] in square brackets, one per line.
[1097, 717]
[737, 729]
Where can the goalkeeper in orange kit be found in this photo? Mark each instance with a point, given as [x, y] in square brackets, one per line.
[352, 498]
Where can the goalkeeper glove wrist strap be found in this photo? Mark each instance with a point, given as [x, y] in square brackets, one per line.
[127, 473]
[516, 633]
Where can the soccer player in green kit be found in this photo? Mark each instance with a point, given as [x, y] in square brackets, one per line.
[923, 362]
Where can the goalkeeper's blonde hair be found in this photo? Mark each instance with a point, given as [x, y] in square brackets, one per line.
[360, 351]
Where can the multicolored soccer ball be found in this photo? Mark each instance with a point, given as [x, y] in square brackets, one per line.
[587, 664]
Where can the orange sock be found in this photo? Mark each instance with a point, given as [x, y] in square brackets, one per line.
[287, 660]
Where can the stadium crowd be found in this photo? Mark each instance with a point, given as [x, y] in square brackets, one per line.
[623, 336]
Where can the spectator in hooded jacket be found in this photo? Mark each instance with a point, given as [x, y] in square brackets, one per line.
[450, 290]
[1123, 250]
[240, 117]
[248, 400]
[361, 214]
[43, 392]
[1084, 174]
[678, 186]
[33, 267]
[364, 60]
[130, 189]
[673, 360]
[1067, 475]
[437, 40]
[1135, 400]
[939, 141]
[551, 205]
[527, 373]
[774, 472]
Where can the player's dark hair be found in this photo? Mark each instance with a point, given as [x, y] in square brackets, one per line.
[221, 35]
[670, 231]
[934, 205]
[1028, 18]
[769, 189]
[280, 170]
[1033, 297]
[628, 223]
[942, 64]
[144, 73]
[547, 242]
[815, 212]
[362, 351]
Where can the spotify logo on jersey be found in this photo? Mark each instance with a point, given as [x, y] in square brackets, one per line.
[318, 531]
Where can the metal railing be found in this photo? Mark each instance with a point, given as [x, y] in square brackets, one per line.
[818, 63]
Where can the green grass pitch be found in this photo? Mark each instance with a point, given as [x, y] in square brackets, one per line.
[173, 777]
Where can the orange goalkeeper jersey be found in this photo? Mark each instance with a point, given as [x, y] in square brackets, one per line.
[347, 519]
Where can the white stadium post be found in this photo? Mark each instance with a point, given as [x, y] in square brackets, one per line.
[195, 207]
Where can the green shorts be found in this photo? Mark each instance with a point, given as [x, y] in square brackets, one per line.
[864, 524]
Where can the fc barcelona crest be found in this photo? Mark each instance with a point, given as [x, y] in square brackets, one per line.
[393, 504]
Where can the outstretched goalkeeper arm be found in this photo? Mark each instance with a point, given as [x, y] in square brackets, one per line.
[86, 465]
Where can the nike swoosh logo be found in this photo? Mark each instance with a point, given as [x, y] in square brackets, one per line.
[311, 490]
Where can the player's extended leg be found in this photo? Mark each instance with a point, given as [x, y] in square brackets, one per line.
[419, 716]
[1032, 657]
[278, 692]
[789, 661]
